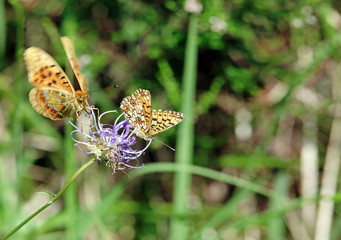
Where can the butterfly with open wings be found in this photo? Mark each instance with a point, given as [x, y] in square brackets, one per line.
[146, 121]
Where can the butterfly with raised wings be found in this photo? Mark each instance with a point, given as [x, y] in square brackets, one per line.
[146, 121]
[54, 96]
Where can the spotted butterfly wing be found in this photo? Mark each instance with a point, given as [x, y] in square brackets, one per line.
[137, 108]
[44, 71]
[53, 96]
[52, 104]
[54, 92]
[71, 54]
[163, 120]
[147, 122]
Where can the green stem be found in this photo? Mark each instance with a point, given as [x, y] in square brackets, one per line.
[185, 138]
[2, 34]
[16, 122]
[52, 200]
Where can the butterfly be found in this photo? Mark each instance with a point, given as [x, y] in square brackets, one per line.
[146, 121]
[54, 96]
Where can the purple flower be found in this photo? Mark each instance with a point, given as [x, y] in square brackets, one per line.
[109, 143]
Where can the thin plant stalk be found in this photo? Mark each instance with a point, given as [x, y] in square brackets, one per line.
[2, 33]
[309, 170]
[71, 196]
[16, 121]
[71, 206]
[52, 200]
[185, 138]
[331, 167]
[276, 226]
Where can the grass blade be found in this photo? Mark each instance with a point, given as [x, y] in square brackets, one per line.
[185, 138]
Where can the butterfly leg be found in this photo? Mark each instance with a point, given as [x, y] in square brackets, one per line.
[88, 111]
[97, 110]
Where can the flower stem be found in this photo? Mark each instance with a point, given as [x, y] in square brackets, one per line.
[52, 200]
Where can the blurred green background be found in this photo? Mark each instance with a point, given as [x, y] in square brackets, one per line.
[265, 128]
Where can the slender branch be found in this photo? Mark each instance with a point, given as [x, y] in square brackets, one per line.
[52, 200]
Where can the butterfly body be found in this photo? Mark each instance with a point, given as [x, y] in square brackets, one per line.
[54, 96]
[146, 121]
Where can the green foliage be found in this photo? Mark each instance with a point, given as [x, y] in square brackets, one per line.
[169, 83]
[209, 98]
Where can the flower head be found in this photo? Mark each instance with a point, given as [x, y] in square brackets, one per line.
[109, 143]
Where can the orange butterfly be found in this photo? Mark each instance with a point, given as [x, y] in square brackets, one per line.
[147, 122]
[54, 96]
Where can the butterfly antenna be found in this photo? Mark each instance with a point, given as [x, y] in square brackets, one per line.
[165, 144]
[115, 86]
